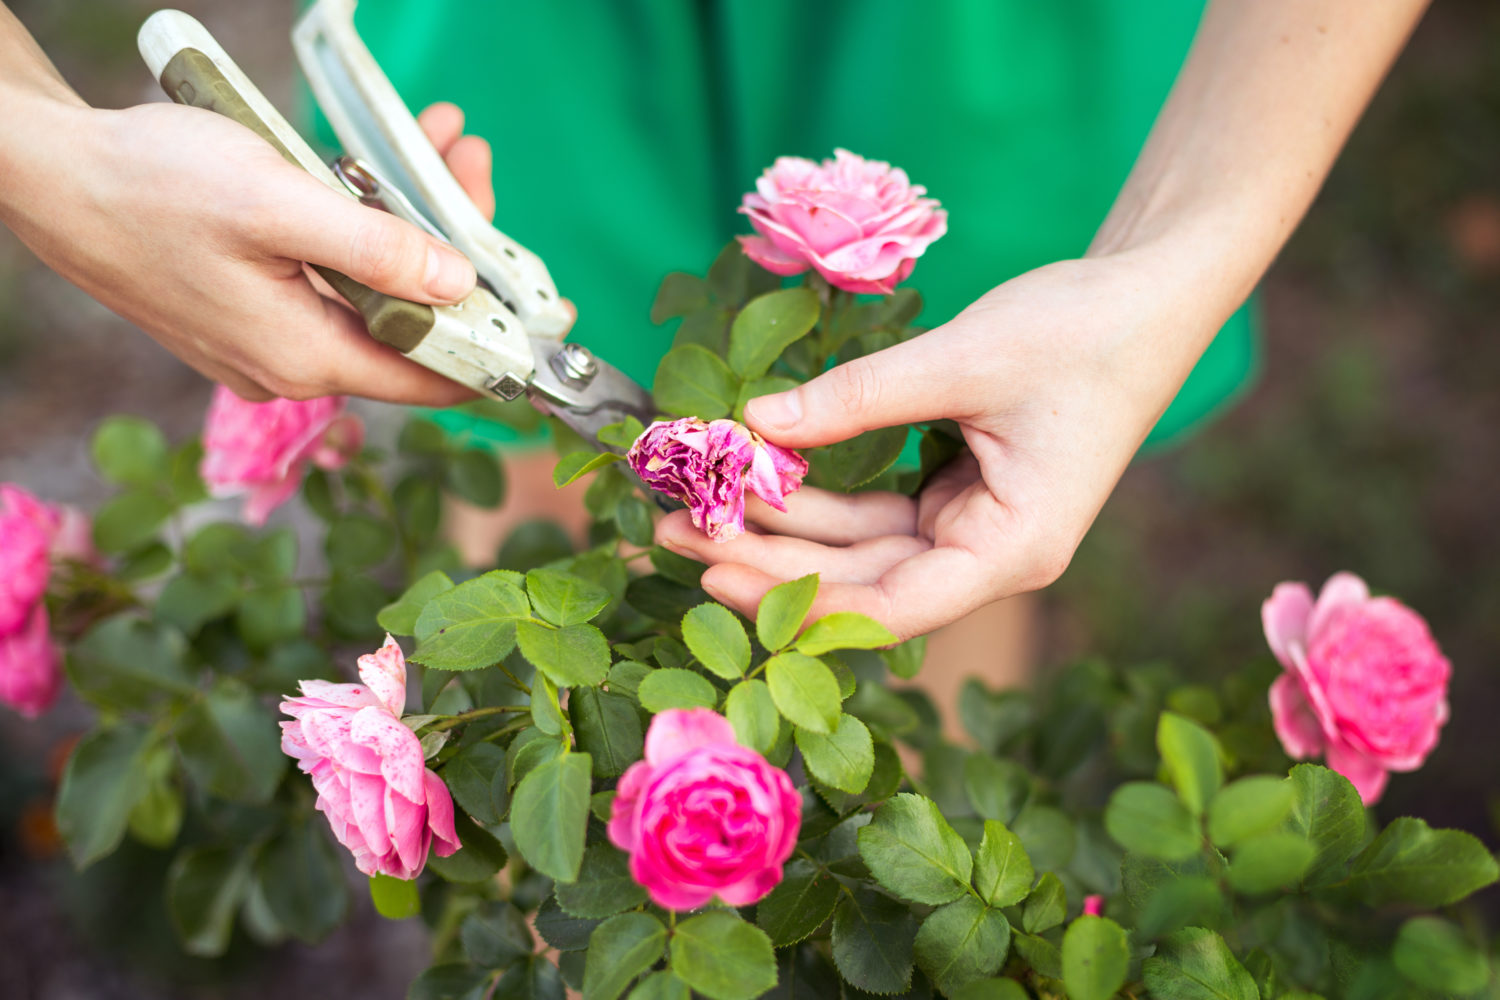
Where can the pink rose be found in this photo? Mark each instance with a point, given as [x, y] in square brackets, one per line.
[26, 530]
[383, 803]
[30, 674]
[703, 817]
[262, 449]
[860, 223]
[707, 466]
[1366, 684]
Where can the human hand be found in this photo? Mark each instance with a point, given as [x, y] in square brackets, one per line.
[196, 230]
[1054, 377]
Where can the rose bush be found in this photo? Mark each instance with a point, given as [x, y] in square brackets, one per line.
[652, 796]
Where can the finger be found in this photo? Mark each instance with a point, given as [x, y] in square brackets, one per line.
[444, 123]
[314, 224]
[835, 518]
[912, 381]
[863, 562]
[471, 163]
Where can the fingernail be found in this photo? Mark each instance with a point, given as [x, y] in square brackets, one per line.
[712, 591]
[450, 276]
[781, 411]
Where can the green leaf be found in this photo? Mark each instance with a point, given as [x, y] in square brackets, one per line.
[843, 630]
[857, 461]
[912, 851]
[843, 759]
[550, 814]
[707, 327]
[991, 989]
[1046, 906]
[129, 520]
[1433, 954]
[480, 857]
[768, 325]
[723, 957]
[604, 886]
[752, 711]
[1269, 861]
[661, 986]
[679, 295]
[1039, 953]
[782, 611]
[961, 942]
[1247, 807]
[718, 640]
[692, 381]
[419, 508]
[1196, 964]
[1328, 813]
[873, 938]
[906, 659]
[619, 950]
[231, 745]
[358, 541]
[302, 881]
[496, 934]
[621, 434]
[676, 688]
[799, 904]
[1192, 758]
[573, 656]
[401, 615]
[129, 451]
[564, 599]
[394, 898]
[576, 464]
[145, 563]
[1002, 871]
[271, 615]
[609, 729]
[127, 663]
[451, 981]
[1412, 863]
[474, 475]
[767, 385]
[205, 886]
[546, 708]
[734, 277]
[1183, 901]
[1146, 818]
[191, 600]
[997, 788]
[105, 777]
[157, 817]
[636, 520]
[1095, 958]
[470, 776]
[471, 626]
[805, 691]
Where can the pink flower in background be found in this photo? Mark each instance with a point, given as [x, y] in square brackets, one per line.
[702, 816]
[1093, 906]
[261, 450]
[860, 223]
[1365, 685]
[30, 672]
[382, 801]
[26, 530]
[708, 464]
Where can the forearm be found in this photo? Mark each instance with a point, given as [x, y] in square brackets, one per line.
[34, 99]
[1267, 97]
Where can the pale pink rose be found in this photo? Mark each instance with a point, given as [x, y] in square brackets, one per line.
[382, 801]
[261, 450]
[860, 223]
[1366, 686]
[1093, 906]
[30, 672]
[708, 464]
[703, 817]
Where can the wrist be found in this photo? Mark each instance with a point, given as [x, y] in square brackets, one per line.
[41, 131]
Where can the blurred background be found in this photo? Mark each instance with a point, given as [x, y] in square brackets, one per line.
[1369, 442]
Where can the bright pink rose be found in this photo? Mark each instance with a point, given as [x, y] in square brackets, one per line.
[262, 449]
[859, 222]
[1366, 685]
[382, 801]
[30, 674]
[703, 817]
[26, 530]
[708, 464]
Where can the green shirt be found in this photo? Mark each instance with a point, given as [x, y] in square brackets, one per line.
[626, 131]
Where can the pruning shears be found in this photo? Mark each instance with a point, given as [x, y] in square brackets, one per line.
[505, 339]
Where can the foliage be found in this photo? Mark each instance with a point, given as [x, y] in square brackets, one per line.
[923, 867]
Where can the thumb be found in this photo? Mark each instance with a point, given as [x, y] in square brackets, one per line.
[373, 247]
[899, 385]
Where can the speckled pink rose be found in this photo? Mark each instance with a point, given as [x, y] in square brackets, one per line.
[261, 450]
[1366, 686]
[860, 223]
[383, 803]
[30, 670]
[703, 817]
[708, 465]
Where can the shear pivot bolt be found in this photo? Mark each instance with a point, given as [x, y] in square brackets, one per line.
[574, 363]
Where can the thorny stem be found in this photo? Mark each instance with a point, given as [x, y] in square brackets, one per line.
[477, 713]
